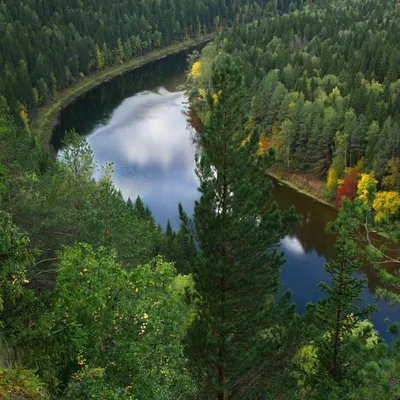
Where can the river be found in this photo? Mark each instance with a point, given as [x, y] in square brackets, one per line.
[140, 122]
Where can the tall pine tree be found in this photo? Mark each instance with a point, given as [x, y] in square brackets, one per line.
[238, 326]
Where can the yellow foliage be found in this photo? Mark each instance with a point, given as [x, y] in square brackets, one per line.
[335, 92]
[203, 96]
[263, 144]
[215, 98]
[81, 359]
[195, 71]
[245, 141]
[332, 180]
[99, 58]
[366, 182]
[202, 93]
[386, 204]
[25, 119]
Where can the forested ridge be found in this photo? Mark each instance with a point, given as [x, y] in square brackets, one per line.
[47, 46]
[97, 301]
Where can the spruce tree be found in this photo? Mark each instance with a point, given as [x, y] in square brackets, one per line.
[236, 272]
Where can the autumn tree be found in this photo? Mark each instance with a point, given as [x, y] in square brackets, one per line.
[386, 205]
[366, 188]
[348, 188]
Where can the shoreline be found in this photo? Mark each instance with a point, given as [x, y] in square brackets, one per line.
[280, 177]
[46, 117]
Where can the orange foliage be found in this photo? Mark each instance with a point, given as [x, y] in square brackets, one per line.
[263, 145]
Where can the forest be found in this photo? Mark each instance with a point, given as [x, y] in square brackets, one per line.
[323, 87]
[48, 46]
[98, 301]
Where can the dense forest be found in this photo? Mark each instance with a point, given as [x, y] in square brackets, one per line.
[47, 46]
[323, 86]
[97, 301]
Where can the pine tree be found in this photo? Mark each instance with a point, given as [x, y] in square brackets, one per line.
[237, 270]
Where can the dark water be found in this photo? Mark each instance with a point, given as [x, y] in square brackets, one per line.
[140, 122]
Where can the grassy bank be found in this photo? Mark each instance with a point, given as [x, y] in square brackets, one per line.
[46, 117]
[314, 188]
[305, 184]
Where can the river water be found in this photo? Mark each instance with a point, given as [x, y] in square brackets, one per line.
[140, 122]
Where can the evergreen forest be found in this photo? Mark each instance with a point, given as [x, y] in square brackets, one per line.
[98, 301]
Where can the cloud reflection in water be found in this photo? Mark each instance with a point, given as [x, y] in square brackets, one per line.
[148, 141]
[292, 245]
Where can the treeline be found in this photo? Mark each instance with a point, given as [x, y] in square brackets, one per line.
[47, 46]
[323, 86]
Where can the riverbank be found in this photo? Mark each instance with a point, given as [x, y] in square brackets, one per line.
[314, 188]
[47, 117]
[302, 183]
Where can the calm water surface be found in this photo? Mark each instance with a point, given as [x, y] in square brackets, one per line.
[140, 122]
